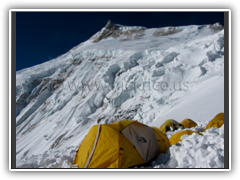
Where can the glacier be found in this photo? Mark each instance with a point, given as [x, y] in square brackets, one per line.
[122, 72]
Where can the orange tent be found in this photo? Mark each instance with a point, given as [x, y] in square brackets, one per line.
[188, 123]
[177, 137]
[121, 144]
[217, 121]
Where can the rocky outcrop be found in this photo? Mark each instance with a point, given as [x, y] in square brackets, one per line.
[109, 30]
[114, 31]
[165, 32]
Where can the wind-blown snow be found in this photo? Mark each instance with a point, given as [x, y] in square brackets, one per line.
[149, 75]
[195, 151]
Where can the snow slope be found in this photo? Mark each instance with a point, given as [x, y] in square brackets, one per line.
[149, 75]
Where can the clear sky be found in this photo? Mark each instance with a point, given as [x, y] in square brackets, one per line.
[42, 36]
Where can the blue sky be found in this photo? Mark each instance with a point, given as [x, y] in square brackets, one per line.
[42, 36]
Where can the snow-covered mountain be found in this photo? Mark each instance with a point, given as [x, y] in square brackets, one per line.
[121, 72]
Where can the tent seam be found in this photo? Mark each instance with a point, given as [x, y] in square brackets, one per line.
[93, 148]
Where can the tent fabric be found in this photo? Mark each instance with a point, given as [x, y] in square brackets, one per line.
[217, 121]
[163, 141]
[170, 124]
[144, 139]
[85, 148]
[121, 144]
[188, 123]
[175, 138]
[94, 146]
[111, 153]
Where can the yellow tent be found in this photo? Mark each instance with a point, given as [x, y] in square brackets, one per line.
[121, 144]
[217, 121]
[177, 137]
[170, 124]
[188, 123]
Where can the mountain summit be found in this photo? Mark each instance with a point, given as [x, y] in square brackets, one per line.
[115, 31]
[108, 31]
[111, 26]
[121, 72]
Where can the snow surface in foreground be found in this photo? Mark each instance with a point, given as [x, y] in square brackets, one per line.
[194, 151]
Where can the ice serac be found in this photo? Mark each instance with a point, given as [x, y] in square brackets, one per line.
[121, 72]
[109, 76]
